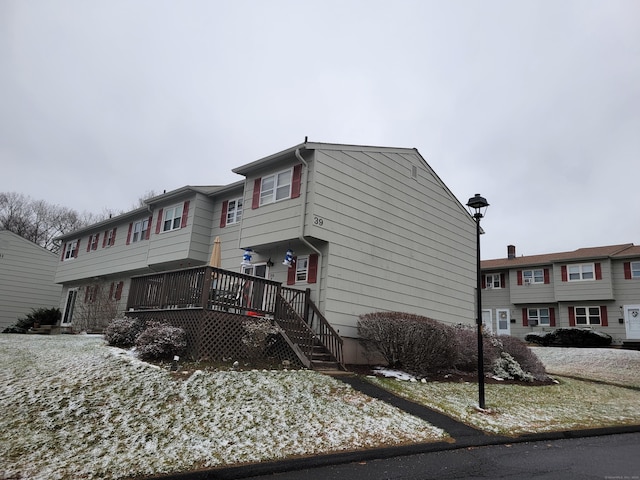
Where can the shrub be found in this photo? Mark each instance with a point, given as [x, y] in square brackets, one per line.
[415, 343]
[43, 316]
[514, 349]
[123, 332]
[160, 341]
[466, 344]
[570, 337]
[259, 334]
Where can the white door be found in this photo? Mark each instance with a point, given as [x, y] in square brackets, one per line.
[253, 293]
[503, 321]
[632, 321]
[487, 321]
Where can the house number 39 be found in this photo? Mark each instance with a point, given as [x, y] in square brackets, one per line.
[318, 221]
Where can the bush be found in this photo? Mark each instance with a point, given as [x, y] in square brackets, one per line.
[259, 334]
[160, 341]
[521, 354]
[466, 344]
[415, 343]
[570, 337]
[123, 332]
[43, 316]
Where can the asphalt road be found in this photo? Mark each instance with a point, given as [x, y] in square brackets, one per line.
[608, 457]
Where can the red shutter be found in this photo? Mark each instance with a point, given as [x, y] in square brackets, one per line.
[296, 181]
[627, 270]
[185, 214]
[564, 273]
[113, 237]
[64, 250]
[525, 319]
[503, 280]
[223, 215]
[119, 290]
[89, 244]
[129, 233]
[75, 254]
[519, 277]
[604, 317]
[95, 245]
[291, 272]
[547, 279]
[148, 234]
[104, 240]
[255, 201]
[159, 224]
[86, 293]
[572, 317]
[111, 287]
[598, 271]
[312, 274]
[484, 282]
[552, 317]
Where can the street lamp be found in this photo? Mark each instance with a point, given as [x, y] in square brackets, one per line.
[478, 207]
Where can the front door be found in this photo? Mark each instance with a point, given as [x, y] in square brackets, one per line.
[253, 292]
[487, 321]
[503, 321]
[69, 306]
[632, 321]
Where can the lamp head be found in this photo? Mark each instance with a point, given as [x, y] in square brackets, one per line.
[477, 204]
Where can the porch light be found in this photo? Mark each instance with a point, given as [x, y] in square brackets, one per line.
[288, 258]
[246, 257]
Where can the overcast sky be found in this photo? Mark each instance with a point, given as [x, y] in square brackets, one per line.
[533, 104]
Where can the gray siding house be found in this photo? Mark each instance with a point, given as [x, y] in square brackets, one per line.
[597, 288]
[370, 228]
[27, 273]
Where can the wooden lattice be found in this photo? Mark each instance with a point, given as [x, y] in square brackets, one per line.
[217, 335]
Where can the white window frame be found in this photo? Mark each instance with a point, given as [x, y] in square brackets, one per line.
[140, 230]
[534, 275]
[581, 272]
[589, 314]
[492, 281]
[302, 269]
[537, 315]
[635, 269]
[234, 210]
[276, 187]
[172, 218]
[93, 242]
[109, 234]
[70, 249]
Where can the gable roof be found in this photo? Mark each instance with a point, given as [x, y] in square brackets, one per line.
[589, 253]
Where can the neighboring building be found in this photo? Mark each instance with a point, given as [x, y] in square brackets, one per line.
[596, 288]
[371, 228]
[27, 274]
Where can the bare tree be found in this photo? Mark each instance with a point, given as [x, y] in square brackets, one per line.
[99, 307]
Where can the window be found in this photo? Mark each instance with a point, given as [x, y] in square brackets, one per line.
[275, 187]
[234, 211]
[172, 218]
[93, 242]
[635, 269]
[583, 271]
[70, 250]
[109, 238]
[539, 315]
[533, 276]
[493, 281]
[140, 229]
[587, 315]
[302, 269]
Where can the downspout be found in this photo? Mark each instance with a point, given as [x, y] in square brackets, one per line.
[302, 218]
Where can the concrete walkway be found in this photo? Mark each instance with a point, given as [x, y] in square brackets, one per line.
[463, 436]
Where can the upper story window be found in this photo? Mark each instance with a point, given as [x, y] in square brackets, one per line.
[70, 250]
[493, 281]
[275, 187]
[533, 276]
[172, 218]
[584, 271]
[140, 230]
[109, 238]
[93, 242]
[234, 211]
[635, 269]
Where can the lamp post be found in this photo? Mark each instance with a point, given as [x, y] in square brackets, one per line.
[477, 207]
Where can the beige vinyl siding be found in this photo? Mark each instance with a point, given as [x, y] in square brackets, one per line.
[27, 274]
[627, 291]
[397, 243]
[584, 289]
[533, 293]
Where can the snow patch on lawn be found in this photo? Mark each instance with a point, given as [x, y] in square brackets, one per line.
[74, 408]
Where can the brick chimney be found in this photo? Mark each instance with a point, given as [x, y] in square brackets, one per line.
[511, 252]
